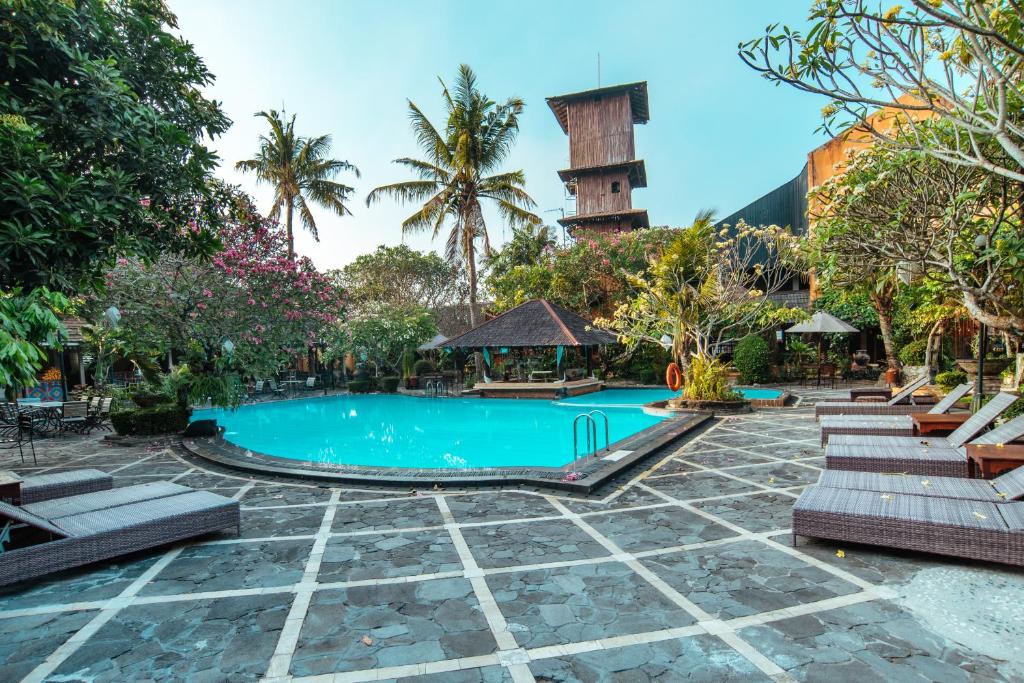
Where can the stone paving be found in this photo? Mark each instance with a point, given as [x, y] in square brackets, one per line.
[683, 571]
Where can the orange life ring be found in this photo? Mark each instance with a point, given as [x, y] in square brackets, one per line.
[673, 377]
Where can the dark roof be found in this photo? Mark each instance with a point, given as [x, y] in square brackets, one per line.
[639, 216]
[534, 323]
[637, 100]
[74, 328]
[637, 172]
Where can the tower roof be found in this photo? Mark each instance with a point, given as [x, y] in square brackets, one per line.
[637, 100]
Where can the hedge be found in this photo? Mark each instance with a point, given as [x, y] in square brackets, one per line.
[752, 357]
[950, 379]
[389, 385]
[168, 418]
[359, 386]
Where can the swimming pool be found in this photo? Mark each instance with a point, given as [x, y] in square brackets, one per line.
[404, 431]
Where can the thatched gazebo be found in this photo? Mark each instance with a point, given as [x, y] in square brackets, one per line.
[536, 324]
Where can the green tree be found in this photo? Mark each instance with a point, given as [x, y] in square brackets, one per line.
[461, 171]
[528, 246]
[707, 288]
[382, 334]
[399, 276]
[101, 131]
[300, 171]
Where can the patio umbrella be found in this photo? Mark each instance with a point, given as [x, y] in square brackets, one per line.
[822, 323]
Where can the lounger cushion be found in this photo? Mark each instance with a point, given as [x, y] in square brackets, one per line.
[124, 517]
[892, 442]
[914, 485]
[90, 502]
[965, 514]
[58, 484]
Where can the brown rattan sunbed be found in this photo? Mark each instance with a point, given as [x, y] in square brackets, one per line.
[77, 530]
[902, 403]
[1005, 488]
[60, 484]
[933, 456]
[948, 526]
[886, 425]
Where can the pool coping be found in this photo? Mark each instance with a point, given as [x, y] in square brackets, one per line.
[595, 471]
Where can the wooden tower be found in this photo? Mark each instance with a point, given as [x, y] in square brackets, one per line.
[603, 168]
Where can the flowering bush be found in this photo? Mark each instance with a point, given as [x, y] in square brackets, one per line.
[249, 294]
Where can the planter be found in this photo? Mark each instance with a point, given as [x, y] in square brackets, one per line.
[412, 382]
[993, 366]
[892, 376]
[714, 407]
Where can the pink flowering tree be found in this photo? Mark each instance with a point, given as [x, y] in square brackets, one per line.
[245, 312]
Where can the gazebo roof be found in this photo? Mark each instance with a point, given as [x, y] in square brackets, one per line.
[535, 323]
[437, 341]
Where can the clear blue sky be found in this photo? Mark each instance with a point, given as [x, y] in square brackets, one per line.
[719, 135]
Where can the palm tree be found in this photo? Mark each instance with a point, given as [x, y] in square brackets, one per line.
[300, 172]
[460, 171]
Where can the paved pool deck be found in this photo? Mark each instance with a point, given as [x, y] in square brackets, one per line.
[682, 570]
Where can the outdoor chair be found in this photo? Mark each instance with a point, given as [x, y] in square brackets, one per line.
[972, 529]
[99, 418]
[259, 387]
[75, 416]
[903, 403]
[9, 413]
[42, 487]
[886, 425]
[276, 390]
[933, 456]
[827, 375]
[1005, 488]
[17, 434]
[72, 531]
[310, 383]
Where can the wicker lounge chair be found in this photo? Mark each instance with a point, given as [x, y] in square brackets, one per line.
[937, 457]
[948, 526]
[62, 484]
[99, 526]
[1005, 488]
[885, 425]
[902, 403]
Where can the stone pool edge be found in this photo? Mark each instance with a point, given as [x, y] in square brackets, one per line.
[596, 471]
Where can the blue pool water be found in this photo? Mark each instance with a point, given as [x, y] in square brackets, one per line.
[405, 431]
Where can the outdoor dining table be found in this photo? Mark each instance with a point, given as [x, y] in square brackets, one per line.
[292, 384]
[46, 416]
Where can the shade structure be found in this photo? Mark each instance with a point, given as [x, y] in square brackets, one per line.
[823, 323]
[436, 342]
[534, 324]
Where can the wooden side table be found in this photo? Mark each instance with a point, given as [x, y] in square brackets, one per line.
[10, 488]
[927, 423]
[989, 461]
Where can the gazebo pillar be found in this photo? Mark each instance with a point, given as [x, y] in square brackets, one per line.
[589, 351]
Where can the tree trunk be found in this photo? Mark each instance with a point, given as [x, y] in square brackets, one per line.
[288, 225]
[883, 306]
[933, 348]
[470, 255]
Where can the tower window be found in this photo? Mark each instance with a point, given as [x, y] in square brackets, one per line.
[615, 187]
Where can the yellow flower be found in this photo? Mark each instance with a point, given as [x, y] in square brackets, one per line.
[840, 553]
[892, 13]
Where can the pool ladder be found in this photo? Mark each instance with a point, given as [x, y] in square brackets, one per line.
[437, 388]
[590, 430]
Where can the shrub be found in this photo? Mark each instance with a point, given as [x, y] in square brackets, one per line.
[950, 379]
[422, 367]
[646, 365]
[752, 357]
[166, 418]
[147, 397]
[359, 386]
[913, 353]
[389, 385]
[708, 381]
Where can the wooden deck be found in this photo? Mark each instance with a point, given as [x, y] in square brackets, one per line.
[543, 390]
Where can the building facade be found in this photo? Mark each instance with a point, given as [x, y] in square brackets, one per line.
[603, 168]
